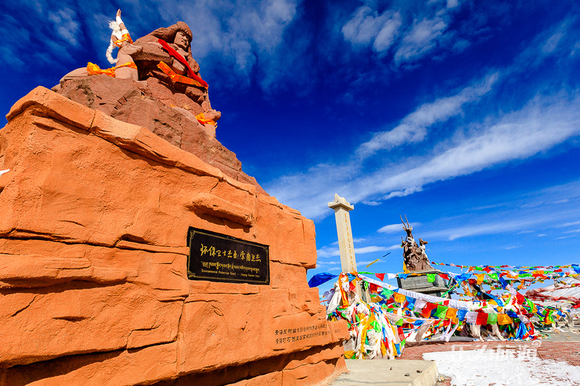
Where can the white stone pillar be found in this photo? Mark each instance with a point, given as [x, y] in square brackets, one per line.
[345, 243]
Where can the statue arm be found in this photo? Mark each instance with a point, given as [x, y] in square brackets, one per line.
[193, 64]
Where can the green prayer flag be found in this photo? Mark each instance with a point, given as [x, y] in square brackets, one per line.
[387, 293]
[431, 277]
[366, 285]
[441, 312]
[494, 276]
[491, 318]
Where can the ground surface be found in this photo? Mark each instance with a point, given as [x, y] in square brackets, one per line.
[552, 361]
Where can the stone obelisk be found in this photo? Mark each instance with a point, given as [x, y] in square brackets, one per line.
[345, 243]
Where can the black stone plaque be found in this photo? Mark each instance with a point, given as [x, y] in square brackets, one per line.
[217, 257]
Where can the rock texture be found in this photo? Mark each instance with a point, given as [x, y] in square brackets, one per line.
[93, 281]
[169, 114]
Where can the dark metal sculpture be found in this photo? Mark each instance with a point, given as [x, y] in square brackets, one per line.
[414, 255]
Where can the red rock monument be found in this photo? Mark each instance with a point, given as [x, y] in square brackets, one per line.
[134, 250]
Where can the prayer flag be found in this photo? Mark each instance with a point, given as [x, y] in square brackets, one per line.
[471, 317]
[387, 293]
[503, 319]
[481, 318]
[399, 298]
[441, 312]
[320, 278]
[452, 314]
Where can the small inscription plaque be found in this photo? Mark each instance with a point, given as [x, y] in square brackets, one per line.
[291, 335]
[217, 257]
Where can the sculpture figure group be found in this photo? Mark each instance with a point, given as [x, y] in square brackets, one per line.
[414, 256]
[164, 54]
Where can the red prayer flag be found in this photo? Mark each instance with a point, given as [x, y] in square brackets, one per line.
[426, 311]
[381, 276]
[481, 318]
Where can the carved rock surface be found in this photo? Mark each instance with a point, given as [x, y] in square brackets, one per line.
[152, 105]
[93, 255]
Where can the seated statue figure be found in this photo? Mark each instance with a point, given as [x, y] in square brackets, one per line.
[166, 54]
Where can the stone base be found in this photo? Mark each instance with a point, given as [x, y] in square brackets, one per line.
[418, 282]
[311, 367]
[93, 263]
[169, 115]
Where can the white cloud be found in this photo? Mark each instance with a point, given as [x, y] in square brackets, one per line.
[513, 247]
[66, 25]
[413, 128]
[403, 193]
[369, 249]
[367, 28]
[328, 252]
[569, 224]
[540, 125]
[513, 218]
[420, 40]
[396, 228]
[332, 252]
[484, 228]
[392, 228]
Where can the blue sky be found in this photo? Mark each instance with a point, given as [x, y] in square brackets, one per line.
[465, 116]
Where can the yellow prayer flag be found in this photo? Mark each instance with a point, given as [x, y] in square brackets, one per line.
[503, 319]
[399, 298]
[452, 314]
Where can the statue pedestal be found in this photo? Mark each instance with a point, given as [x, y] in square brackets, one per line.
[418, 282]
[125, 260]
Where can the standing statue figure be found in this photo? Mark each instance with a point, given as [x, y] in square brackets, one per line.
[414, 256]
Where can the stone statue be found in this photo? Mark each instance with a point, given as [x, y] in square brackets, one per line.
[125, 65]
[414, 256]
[164, 54]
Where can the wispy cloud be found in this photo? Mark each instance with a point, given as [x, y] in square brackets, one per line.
[66, 25]
[413, 128]
[541, 124]
[332, 252]
[421, 39]
[409, 30]
[368, 28]
[381, 169]
[396, 228]
[515, 218]
[512, 247]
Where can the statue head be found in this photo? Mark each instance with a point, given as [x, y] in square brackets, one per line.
[181, 40]
[170, 33]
